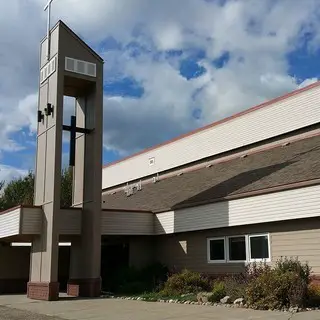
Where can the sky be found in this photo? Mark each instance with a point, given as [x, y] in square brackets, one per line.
[170, 66]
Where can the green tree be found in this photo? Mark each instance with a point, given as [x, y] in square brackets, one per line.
[20, 191]
[66, 188]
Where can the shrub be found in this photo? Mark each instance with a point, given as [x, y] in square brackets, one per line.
[186, 282]
[254, 270]
[285, 285]
[218, 292]
[294, 265]
[235, 286]
[269, 290]
[313, 295]
[298, 292]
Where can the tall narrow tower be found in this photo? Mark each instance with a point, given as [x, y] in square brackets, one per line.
[69, 68]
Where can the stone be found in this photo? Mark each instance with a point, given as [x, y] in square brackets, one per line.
[239, 301]
[293, 309]
[225, 300]
[203, 297]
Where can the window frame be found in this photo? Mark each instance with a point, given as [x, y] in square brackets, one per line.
[245, 244]
[208, 250]
[249, 247]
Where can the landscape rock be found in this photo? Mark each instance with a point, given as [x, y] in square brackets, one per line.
[239, 301]
[203, 297]
[225, 300]
[293, 309]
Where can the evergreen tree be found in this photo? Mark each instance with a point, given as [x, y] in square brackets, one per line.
[20, 191]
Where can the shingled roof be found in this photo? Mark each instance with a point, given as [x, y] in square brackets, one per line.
[281, 165]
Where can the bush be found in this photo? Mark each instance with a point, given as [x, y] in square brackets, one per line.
[254, 270]
[296, 266]
[269, 290]
[218, 292]
[186, 282]
[313, 295]
[285, 285]
[235, 286]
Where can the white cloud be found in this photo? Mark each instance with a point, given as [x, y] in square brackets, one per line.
[258, 36]
[8, 173]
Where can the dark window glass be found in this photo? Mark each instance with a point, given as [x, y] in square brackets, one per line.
[259, 248]
[217, 249]
[237, 249]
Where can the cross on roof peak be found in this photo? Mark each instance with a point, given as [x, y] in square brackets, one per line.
[48, 9]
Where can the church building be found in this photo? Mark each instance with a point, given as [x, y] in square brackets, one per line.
[242, 189]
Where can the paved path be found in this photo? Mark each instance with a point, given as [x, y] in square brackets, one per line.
[19, 307]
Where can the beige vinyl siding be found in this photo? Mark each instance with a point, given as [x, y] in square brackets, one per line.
[164, 222]
[304, 244]
[10, 223]
[31, 220]
[127, 223]
[278, 206]
[267, 122]
[296, 238]
[70, 222]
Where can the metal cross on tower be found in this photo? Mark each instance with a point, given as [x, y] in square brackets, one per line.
[73, 130]
[48, 8]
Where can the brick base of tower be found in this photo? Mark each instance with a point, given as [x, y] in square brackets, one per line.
[48, 291]
[84, 287]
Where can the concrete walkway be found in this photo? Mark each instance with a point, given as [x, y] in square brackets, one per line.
[102, 309]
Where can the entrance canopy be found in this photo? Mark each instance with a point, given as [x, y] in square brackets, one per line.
[22, 223]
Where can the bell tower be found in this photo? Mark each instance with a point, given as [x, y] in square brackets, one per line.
[68, 67]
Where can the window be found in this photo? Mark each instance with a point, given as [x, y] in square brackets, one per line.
[244, 248]
[216, 250]
[259, 247]
[237, 248]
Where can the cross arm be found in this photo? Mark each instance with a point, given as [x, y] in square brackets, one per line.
[77, 129]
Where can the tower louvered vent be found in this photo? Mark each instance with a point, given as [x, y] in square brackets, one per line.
[48, 69]
[81, 67]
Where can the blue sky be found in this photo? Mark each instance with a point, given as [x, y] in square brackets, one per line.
[168, 68]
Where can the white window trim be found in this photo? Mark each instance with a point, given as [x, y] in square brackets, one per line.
[246, 247]
[208, 250]
[249, 249]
